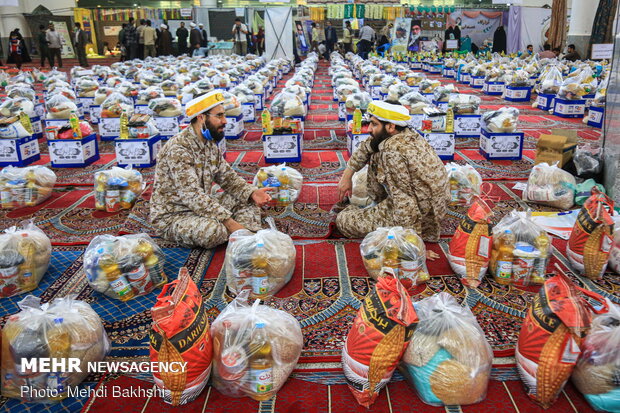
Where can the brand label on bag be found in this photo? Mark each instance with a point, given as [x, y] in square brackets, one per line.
[484, 246]
[606, 242]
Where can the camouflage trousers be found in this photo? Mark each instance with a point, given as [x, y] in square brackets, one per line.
[190, 230]
[355, 222]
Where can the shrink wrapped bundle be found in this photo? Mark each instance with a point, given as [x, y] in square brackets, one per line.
[448, 360]
[261, 262]
[255, 349]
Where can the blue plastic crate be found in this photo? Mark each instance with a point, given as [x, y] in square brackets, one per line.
[139, 153]
[566, 108]
[518, 94]
[501, 146]
[73, 153]
[19, 151]
[282, 148]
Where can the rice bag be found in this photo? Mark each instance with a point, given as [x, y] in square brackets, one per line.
[261, 262]
[255, 349]
[359, 192]
[64, 329]
[180, 333]
[124, 267]
[287, 182]
[117, 188]
[470, 247]
[551, 336]
[550, 185]
[378, 338]
[523, 261]
[448, 361]
[27, 186]
[398, 248]
[25, 253]
[591, 240]
[503, 120]
[464, 182]
[596, 372]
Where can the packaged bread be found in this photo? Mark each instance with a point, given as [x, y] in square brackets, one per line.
[261, 262]
[255, 349]
[378, 338]
[65, 330]
[470, 247]
[286, 181]
[591, 239]
[124, 267]
[464, 181]
[398, 248]
[551, 337]
[596, 372]
[448, 361]
[550, 185]
[180, 333]
[24, 187]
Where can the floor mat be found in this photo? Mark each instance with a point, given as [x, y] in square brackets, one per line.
[499, 170]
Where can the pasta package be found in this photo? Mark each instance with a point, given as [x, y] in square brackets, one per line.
[551, 337]
[470, 247]
[596, 373]
[255, 349]
[591, 240]
[378, 338]
[63, 329]
[448, 360]
[398, 248]
[550, 185]
[180, 333]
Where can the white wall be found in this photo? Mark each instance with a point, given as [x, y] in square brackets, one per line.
[581, 17]
[535, 3]
[12, 18]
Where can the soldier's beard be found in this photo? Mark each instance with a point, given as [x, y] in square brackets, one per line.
[377, 138]
[216, 134]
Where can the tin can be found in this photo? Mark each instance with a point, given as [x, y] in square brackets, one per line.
[112, 200]
[234, 363]
[427, 125]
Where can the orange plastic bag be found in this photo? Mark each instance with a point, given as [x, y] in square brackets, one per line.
[551, 336]
[591, 240]
[470, 247]
[378, 338]
[180, 333]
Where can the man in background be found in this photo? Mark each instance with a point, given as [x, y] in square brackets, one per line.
[203, 33]
[44, 47]
[80, 39]
[366, 37]
[182, 35]
[572, 54]
[121, 42]
[347, 37]
[195, 38]
[547, 53]
[150, 37]
[240, 32]
[530, 49]
[55, 45]
[331, 38]
[140, 30]
[165, 41]
[131, 39]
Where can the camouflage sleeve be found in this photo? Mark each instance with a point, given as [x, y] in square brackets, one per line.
[361, 156]
[398, 181]
[232, 183]
[188, 187]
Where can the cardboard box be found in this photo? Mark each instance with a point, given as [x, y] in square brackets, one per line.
[596, 117]
[168, 126]
[501, 146]
[19, 151]
[249, 112]
[443, 143]
[139, 153]
[558, 147]
[234, 127]
[73, 153]
[342, 111]
[355, 140]
[283, 148]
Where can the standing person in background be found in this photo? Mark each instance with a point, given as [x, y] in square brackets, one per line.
[150, 37]
[165, 41]
[25, 55]
[240, 32]
[15, 50]
[331, 38]
[182, 35]
[195, 38]
[55, 44]
[131, 39]
[44, 47]
[205, 39]
[366, 37]
[557, 52]
[315, 38]
[140, 30]
[121, 42]
[260, 41]
[80, 39]
[347, 37]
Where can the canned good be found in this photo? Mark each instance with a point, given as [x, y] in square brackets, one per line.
[427, 125]
[234, 363]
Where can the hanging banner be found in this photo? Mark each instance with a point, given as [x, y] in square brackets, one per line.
[535, 23]
[415, 35]
[85, 18]
[400, 34]
[278, 32]
[478, 25]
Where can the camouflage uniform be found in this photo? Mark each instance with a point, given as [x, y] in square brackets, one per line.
[182, 207]
[408, 184]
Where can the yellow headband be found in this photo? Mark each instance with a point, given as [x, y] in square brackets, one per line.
[388, 115]
[203, 103]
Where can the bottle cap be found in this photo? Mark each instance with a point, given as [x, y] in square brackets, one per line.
[260, 325]
[390, 236]
[260, 245]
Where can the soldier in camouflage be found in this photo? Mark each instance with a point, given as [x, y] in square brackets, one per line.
[406, 180]
[183, 209]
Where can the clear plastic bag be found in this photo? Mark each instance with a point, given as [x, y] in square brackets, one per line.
[146, 95]
[117, 188]
[614, 254]
[255, 349]
[398, 248]
[148, 79]
[344, 91]
[414, 78]
[27, 186]
[14, 106]
[448, 361]
[25, 253]
[464, 183]
[443, 93]
[101, 94]
[115, 104]
[287, 182]
[503, 120]
[588, 160]
[518, 78]
[415, 103]
[244, 94]
[231, 104]
[397, 90]
[595, 374]
[359, 193]
[522, 261]
[550, 185]
[166, 107]
[601, 93]
[60, 107]
[65, 329]
[287, 104]
[550, 81]
[255, 85]
[462, 104]
[86, 87]
[170, 87]
[220, 80]
[376, 79]
[387, 82]
[127, 89]
[21, 91]
[261, 262]
[358, 100]
[429, 85]
[124, 267]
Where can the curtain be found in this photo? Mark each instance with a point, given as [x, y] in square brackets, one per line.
[603, 23]
[557, 29]
[514, 30]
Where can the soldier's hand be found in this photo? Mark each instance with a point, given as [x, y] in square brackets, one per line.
[345, 186]
[431, 255]
[261, 197]
[232, 225]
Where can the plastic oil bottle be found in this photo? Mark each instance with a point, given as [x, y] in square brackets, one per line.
[450, 121]
[101, 181]
[454, 187]
[31, 192]
[542, 244]
[261, 364]
[59, 342]
[391, 253]
[284, 195]
[124, 126]
[503, 272]
[26, 248]
[357, 121]
[266, 121]
[74, 121]
[260, 279]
